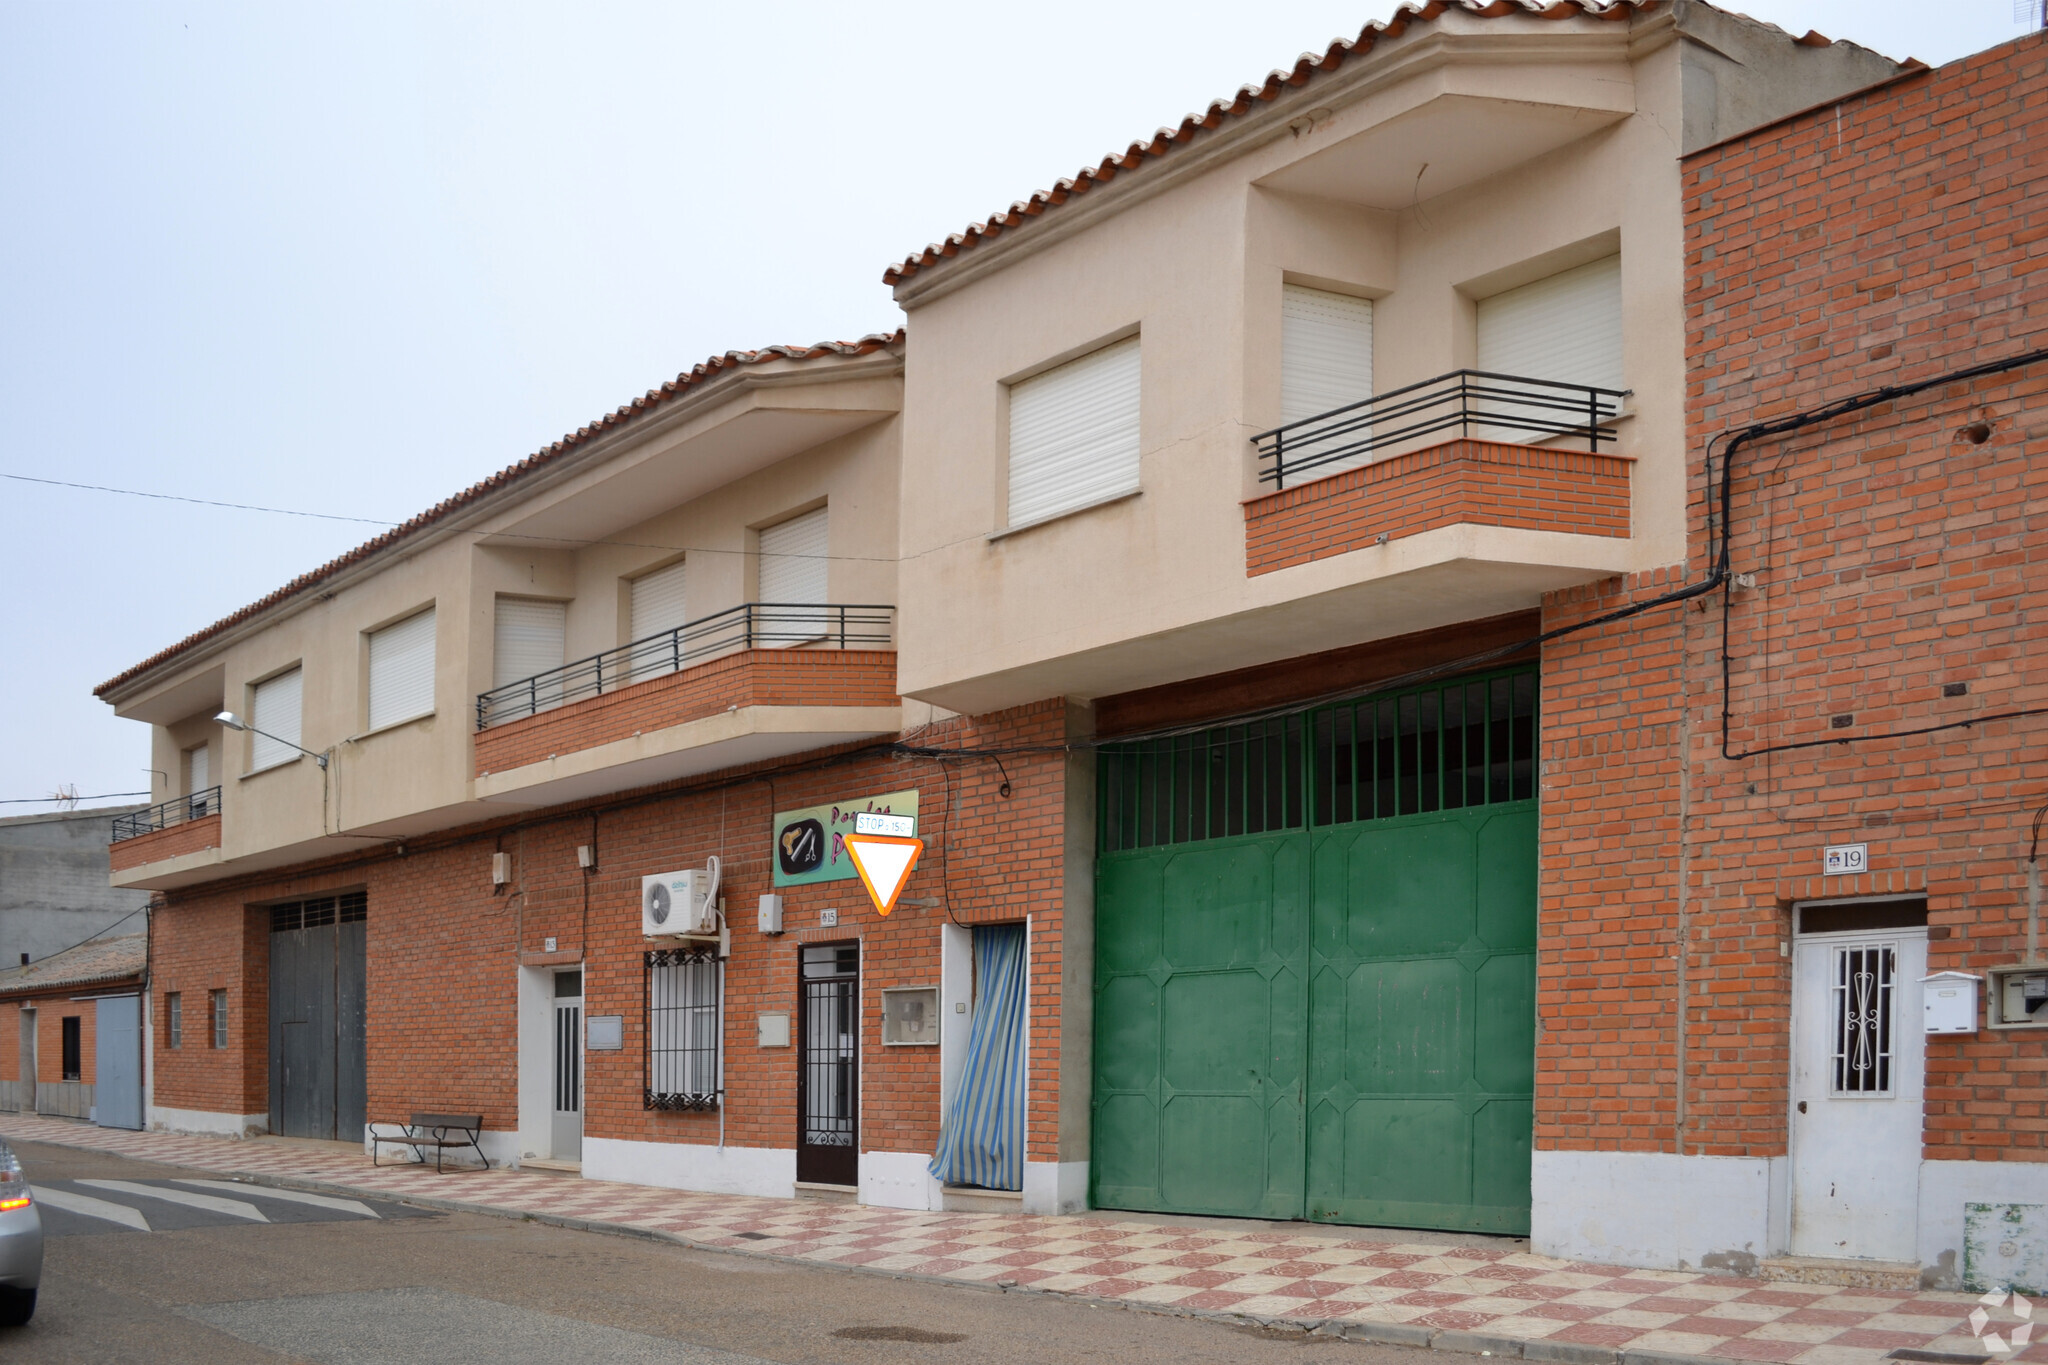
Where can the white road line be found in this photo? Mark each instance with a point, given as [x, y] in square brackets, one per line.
[318, 1201]
[90, 1207]
[212, 1203]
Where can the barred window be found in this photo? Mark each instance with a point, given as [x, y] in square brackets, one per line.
[684, 1026]
[350, 908]
[174, 1019]
[220, 1018]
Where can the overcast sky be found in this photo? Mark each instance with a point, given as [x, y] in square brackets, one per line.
[350, 258]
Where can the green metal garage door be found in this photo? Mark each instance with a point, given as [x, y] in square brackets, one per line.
[1315, 964]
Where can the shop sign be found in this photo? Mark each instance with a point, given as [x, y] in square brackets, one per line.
[810, 844]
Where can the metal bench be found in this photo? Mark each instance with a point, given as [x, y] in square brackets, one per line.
[438, 1132]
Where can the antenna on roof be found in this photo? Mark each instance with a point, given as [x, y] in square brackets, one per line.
[66, 796]
[2033, 13]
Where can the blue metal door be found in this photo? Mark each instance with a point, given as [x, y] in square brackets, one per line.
[117, 1060]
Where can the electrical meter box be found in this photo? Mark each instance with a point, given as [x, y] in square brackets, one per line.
[1950, 1001]
[910, 1016]
[2019, 996]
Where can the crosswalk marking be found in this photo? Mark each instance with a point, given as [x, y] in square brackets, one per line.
[90, 1207]
[318, 1201]
[212, 1203]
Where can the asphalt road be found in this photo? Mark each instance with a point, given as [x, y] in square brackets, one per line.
[241, 1274]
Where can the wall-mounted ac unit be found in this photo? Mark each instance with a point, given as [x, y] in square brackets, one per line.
[684, 902]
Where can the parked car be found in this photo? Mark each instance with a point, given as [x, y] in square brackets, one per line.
[21, 1243]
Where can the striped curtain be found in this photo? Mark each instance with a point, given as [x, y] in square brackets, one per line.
[982, 1140]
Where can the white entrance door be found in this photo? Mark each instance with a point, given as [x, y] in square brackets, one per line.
[1857, 1067]
[567, 1132]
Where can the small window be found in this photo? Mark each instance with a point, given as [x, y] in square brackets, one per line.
[74, 1053]
[174, 1019]
[274, 710]
[1863, 991]
[1074, 434]
[402, 670]
[792, 579]
[219, 1005]
[683, 1029]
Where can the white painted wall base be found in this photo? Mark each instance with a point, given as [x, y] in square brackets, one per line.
[1055, 1186]
[898, 1180]
[206, 1123]
[767, 1171]
[1945, 1186]
[1655, 1209]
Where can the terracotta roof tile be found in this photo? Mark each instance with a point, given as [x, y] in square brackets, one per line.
[96, 960]
[1248, 99]
[640, 406]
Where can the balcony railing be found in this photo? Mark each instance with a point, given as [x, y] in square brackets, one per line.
[1493, 407]
[197, 806]
[751, 625]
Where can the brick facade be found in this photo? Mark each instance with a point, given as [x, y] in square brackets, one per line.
[443, 943]
[1486, 483]
[1898, 553]
[751, 677]
[192, 836]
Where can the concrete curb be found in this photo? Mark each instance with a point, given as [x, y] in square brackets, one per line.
[1378, 1333]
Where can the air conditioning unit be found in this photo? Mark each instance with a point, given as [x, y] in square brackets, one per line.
[685, 902]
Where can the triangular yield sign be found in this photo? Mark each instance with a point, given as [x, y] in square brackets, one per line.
[884, 863]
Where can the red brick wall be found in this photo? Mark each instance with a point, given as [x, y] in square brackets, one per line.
[10, 1042]
[754, 677]
[1890, 239]
[201, 945]
[443, 946]
[1490, 483]
[192, 836]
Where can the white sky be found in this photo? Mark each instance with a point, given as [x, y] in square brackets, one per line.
[349, 259]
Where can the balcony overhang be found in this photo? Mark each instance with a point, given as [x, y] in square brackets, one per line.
[169, 872]
[1438, 577]
[1451, 140]
[729, 739]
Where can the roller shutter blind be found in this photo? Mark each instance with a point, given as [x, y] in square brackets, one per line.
[793, 574]
[402, 670]
[1074, 434]
[1566, 327]
[198, 770]
[275, 708]
[528, 639]
[657, 602]
[1325, 362]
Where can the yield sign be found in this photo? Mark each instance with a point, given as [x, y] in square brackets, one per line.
[884, 864]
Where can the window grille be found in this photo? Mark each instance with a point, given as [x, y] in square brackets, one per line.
[1864, 992]
[352, 908]
[174, 1019]
[220, 1018]
[684, 1028]
[1467, 742]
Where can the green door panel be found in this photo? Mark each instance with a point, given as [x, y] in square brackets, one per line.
[1336, 1024]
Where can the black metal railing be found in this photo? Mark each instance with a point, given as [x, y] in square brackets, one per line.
[197, 806]
[751, 625]
[1499, 407]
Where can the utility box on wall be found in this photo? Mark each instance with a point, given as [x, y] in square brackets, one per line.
[910, 1016]
[2019, 997]
[1950, 1002]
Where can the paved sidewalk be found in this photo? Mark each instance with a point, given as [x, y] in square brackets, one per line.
[1472, 1298]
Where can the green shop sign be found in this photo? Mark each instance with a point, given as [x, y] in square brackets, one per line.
[810, 844]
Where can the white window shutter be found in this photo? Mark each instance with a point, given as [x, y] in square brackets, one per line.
[1566, 327]
[275, 709]
[1325, 363]
[402, 670]
[657, 602]
[198, 770]
[528, 640]
[1074, 434]
[793, 574]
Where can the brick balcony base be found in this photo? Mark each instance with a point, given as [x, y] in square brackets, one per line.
[1487, 483]
[752, 677]
[194, 836]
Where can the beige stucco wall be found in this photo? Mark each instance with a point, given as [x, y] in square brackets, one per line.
[416, 774]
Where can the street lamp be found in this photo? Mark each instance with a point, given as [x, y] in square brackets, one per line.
[235, 722]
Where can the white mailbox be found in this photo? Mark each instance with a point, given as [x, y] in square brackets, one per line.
[1950, 1000]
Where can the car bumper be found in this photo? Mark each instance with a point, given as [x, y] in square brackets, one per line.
[21, 1248]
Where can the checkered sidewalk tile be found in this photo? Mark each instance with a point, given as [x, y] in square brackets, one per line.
[1306, 1276]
